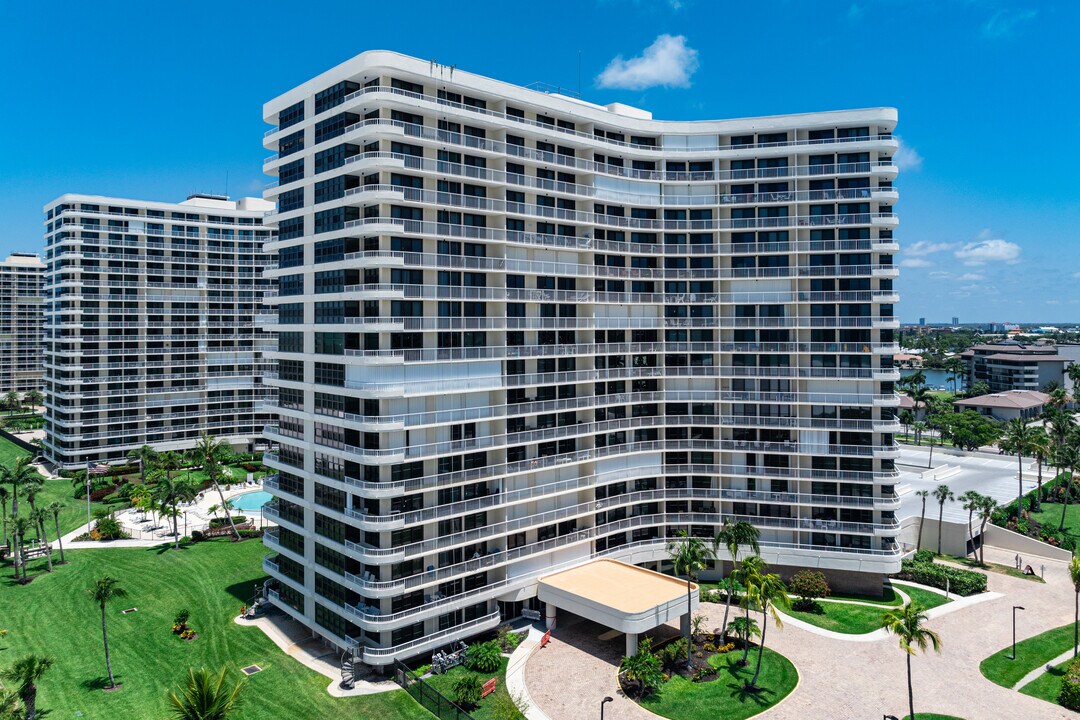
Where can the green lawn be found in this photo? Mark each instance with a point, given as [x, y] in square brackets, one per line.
[1048, 685]
[1030, 654]
[52, 616]
[1050, 514]
[991, 567]
[889, 598]
[724, 697]
[10, 452]
[445, 683]
[861, 619]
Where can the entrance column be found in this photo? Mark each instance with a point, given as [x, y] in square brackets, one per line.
[684, 624]
[549, 616]
[631, 644]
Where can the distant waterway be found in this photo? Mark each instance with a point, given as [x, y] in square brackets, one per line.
[937, 379]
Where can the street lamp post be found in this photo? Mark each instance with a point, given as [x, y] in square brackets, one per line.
[604, 702]
[1015, 608]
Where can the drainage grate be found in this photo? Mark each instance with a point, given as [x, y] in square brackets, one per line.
[251, 669]
[130, 610]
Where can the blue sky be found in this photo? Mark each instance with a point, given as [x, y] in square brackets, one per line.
[143, 100]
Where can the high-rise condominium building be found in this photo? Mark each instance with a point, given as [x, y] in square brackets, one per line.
[517, 331]
[21, 318]
[153, 331]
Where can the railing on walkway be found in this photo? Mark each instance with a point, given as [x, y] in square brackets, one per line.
[428, 697]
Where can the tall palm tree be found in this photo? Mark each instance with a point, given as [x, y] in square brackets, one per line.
[922, 515]
[1059, 423]
[145, 456]
[1067, 456]
[1074, 575]
[942, 494]
[12, 400]
[206, 697]
[733, 535]
[170, 462]
[34, 398]
[25, 673]
[971, 500]
[955, 367]
[907, 624]
[208, 451]
[906, 418]
[17, 476]
[768, 592]
[103, 591]
[1017, 438]
[987, 506]
[54, 509]
[919, 396]
[4, 495]
[38, 517]
[750, 569]
[19, 527]
[172, 491]
[1040, 447]
[689, 556]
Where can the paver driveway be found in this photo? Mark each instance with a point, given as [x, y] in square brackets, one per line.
[839, 678]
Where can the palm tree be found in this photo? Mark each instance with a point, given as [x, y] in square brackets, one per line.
[208, 450]
[971, 500]
[732, 536]
[19, 527]
[25, 674]
[1074, 575]
[745, 628]
[171, 492]
[955, 367]
[688, 556]
[206, 697]
[919, 395]
[1067, 456]
[941, 494]
[1017, 438]
[103, 591]
[12, 400]
[922, 515]
[768, 592]
[906, 418]
[987, 506]
[55, 508]
[145, 456]
[34, 398]
[750, 569]
[1059, 423]
[17, 476]
[4, 495]
[1041, 448]
[917, 428]
[170, 462]
[907, 624]
[38, 517]
[915, 379]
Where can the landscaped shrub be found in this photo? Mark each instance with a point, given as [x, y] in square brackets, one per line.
[1070, 687]
[467, 689]
[923, 556]
[808, 585]
[483, 657]
[507, 639]
[216, 523]
[673, 654]
[107, 528]
[247, 533]
[642, 671]
[197, 536]
[961, 582]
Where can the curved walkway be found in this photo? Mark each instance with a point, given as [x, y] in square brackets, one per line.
[840, 678]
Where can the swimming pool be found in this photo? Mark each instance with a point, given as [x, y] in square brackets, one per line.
[251, 501]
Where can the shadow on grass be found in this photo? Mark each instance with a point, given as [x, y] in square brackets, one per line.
[100, 683]
[162, 549]
[245, 592]
[758, 695]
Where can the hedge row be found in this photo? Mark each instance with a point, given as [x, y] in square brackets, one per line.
[961, 582]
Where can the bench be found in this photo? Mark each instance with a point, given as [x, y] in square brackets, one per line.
[33, 552]
[489, 687]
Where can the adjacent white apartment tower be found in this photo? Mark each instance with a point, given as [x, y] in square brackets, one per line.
[517, 331]
[153, 326]
[21, 320]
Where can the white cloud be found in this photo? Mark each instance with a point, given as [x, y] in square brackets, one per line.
[940, 274]
[668, 62]
[971, 277]
[1053, 302]
[1002, 23]
[985, 251]
[925, 247]
[915, 263]
[906, 157]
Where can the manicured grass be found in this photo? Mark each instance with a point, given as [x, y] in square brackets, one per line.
[1031, 653]
[889, 598]
[10, 452]
[53, 616]
[725, 697]
[485, 711]
[1048, 685]
[1050, 514]
[926, 599]
[861, 619]
[990, 567]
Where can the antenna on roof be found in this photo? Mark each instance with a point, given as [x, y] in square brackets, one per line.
[226, 182]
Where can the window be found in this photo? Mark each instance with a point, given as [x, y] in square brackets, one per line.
[334, 157]
[291, 285]
[291, 200]
[332, 127]
[291, 172]
[291, 313]
[291, 256]
[290, 229]
[290, 342]
[289, 398]
[291, 370]
[335, 218]
[329, 343]
[291, 143]
[329, 281]
[334, 95]
[329, 312]
[330, 374]
[291, 115]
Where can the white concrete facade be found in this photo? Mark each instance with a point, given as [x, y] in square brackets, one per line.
[518, 331]
[154, 329]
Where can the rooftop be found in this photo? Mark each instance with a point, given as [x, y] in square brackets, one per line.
[616, 585]
[1016, 399]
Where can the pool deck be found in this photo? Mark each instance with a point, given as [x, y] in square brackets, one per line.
[148, 530]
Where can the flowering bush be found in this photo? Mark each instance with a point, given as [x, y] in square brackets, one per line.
[708, 647]
[188, 634]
